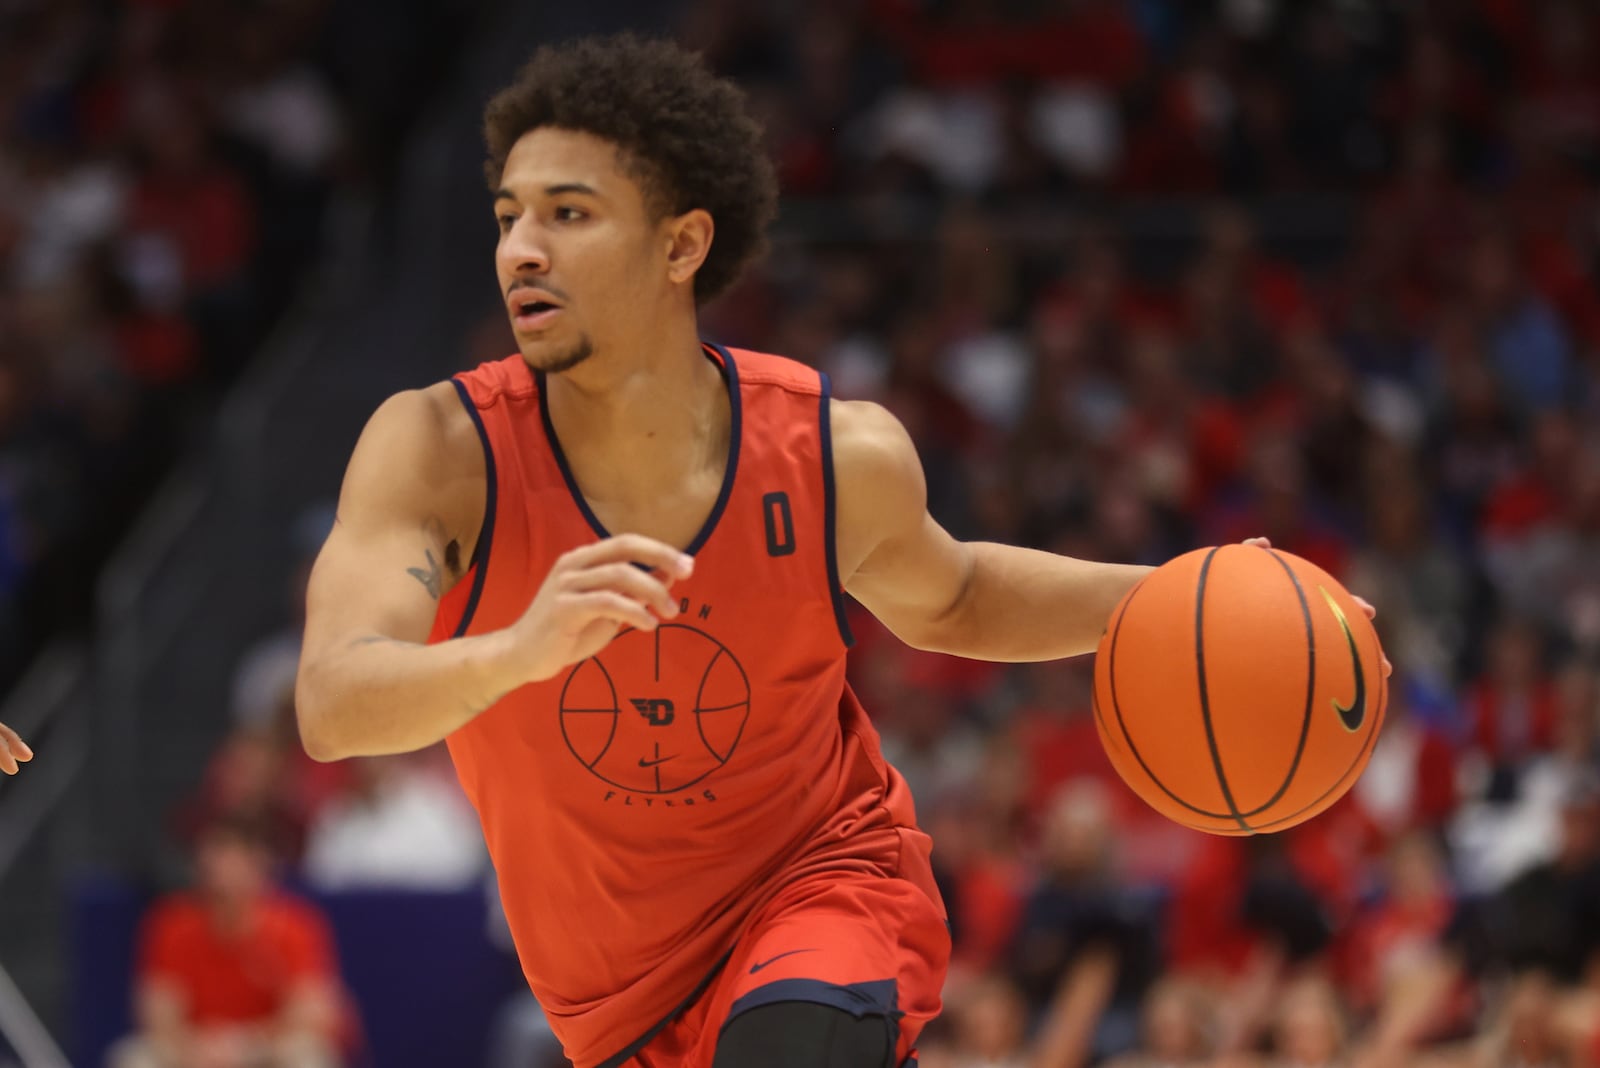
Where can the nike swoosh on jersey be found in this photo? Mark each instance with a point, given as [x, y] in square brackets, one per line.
[757, 967]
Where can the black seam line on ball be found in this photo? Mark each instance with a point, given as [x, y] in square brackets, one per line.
[1205, 698]
[1311, 687]
[1127, 736]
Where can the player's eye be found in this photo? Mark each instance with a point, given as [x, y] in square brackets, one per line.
[506, 222]
[566, 213]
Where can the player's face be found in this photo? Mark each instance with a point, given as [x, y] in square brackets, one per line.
[577, 247]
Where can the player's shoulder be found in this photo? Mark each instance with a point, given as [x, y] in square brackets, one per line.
[875, 463]
[430, 418]
[867, 434]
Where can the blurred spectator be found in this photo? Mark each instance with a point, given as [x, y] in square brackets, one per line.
[1534, 1025]
[988, 1028]
[403, 823]
[235, 973]
[1414, 578]
[1177, 1028]
[1511, 708]
[1309, 1028]
[1548, 918]
[250, 776]
[1249, 912]
[1410, 779]
[1055, 731]
[1385, 948]
[1077, 908]
[981, 876]
[1527, 344]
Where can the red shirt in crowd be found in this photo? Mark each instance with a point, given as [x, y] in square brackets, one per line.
[239, 977]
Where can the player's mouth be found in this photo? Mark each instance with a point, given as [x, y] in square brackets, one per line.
[531, 309]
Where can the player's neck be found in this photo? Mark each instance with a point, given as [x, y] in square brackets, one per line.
[630, 421]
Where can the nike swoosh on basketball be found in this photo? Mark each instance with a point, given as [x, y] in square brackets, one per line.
[643, 763]
[1354, 714]
[757, 967]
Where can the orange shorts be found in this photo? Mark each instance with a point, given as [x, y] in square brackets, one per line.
[867, 943]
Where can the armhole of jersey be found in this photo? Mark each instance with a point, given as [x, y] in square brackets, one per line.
[480, 551]
[830, 513]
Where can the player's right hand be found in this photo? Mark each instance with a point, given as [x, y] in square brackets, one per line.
[592, 593]
[12, 750]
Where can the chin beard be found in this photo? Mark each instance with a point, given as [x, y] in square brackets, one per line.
[581, 350]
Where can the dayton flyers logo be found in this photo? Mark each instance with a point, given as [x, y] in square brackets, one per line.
[656, 711]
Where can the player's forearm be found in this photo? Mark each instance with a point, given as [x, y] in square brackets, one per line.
[1023, 605]
[377, 695]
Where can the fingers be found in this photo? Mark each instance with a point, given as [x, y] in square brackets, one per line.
[628, 580]
[1372, 613]
[618, 608]
[12, 750]
[635, 549]
[1260, 543]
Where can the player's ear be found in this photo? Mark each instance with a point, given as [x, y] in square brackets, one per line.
[689, 241]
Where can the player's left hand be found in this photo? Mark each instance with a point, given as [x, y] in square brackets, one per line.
[1372, 613]
[12, 750]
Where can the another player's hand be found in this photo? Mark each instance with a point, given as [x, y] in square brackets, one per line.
[592, 593]
[1372, 613]
[12, 750]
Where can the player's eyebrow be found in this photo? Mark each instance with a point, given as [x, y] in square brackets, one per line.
[556, 190]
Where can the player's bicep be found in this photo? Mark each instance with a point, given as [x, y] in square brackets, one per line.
[373, 584]
[394, 550]
[895, 558]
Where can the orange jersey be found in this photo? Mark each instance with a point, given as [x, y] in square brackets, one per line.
[643, 804]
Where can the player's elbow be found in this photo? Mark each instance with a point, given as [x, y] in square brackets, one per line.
[316, 715]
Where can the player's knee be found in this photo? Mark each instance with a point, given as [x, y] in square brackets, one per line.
[798, 1034]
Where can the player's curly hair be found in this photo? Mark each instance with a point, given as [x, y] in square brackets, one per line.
[683, 132]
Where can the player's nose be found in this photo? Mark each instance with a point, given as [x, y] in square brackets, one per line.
[524, 250]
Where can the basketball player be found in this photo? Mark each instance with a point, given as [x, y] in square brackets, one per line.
[610, 572]
[13, 750]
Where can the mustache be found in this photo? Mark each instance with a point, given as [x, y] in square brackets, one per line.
[535, 283]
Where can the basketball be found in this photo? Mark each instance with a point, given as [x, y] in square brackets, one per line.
[1239, 690]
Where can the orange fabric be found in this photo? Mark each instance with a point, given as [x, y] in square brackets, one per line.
[847, 929]
[241, 978]
[642, 806]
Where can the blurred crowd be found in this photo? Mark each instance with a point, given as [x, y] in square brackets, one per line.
[166, 173]
[1051, 236]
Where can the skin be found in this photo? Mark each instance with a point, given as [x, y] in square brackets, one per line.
[644, 420]
[13, 750]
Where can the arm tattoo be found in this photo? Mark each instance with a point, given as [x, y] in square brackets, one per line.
[429, 578]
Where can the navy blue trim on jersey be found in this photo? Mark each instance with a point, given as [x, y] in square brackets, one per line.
[730, 375]
[830, 513]
[480, 551]
[880, 997]
[617, 1060]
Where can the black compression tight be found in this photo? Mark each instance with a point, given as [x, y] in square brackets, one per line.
[802, 1034]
